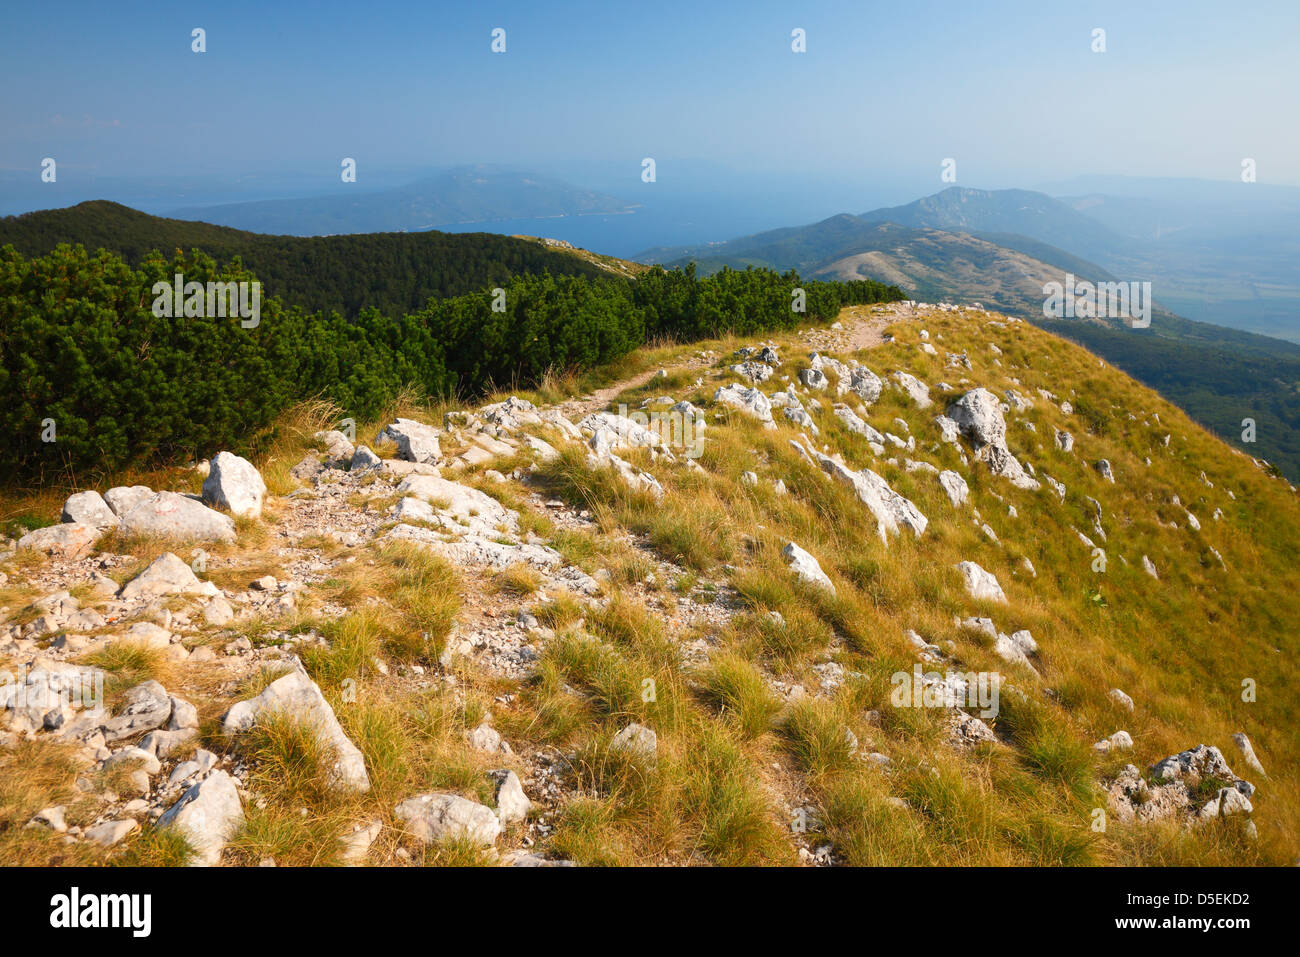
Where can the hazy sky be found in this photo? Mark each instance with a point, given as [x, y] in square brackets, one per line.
[1013, 92]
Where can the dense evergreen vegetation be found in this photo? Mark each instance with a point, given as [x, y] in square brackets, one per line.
[80, 345]
[391, 272]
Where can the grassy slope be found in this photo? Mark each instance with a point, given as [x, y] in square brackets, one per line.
[1181, 646]
[1217, 374]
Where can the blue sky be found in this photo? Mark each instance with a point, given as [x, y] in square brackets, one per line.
[585, 90]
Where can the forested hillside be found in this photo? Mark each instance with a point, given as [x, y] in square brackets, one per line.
[391, 272]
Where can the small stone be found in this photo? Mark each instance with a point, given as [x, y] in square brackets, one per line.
[637, 739]
[512, 804]
[111, 832]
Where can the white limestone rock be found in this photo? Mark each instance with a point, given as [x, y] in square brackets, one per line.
[167, 575]
[416, 442]
[295, 695]
[89, 508]
[208, 815]
[806, 567]
[435, 817]
[234, 484]
[980, 584]
[955, 486]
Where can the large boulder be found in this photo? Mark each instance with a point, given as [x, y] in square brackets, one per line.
[235, 485]
[167, 575]
[980, 584]
[430, 818]
[207, 815]
[65, 540]
[978, 415]
[416, 442]
[169, 515]
[296, 696]
[89, 508]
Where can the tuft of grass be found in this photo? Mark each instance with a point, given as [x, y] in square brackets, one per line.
[814, 733]
[127, 663]
[519, 580]
[737, 688]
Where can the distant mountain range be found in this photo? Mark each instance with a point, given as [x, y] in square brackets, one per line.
[1216, 252]
[1002, 270]
[466, 194]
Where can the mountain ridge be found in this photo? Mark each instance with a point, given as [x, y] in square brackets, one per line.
[520, 632]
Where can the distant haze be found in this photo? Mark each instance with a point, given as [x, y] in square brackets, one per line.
[585, 90]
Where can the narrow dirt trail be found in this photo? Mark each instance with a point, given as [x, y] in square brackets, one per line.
[861, 331]
[600, 400]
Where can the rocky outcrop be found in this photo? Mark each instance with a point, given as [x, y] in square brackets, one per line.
[749, 401]
[754, 371]
[207, 815]
[891, 510]
[460, 508]
[296, 696]
[858, 426]
[1178, 787]
[978, 416]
